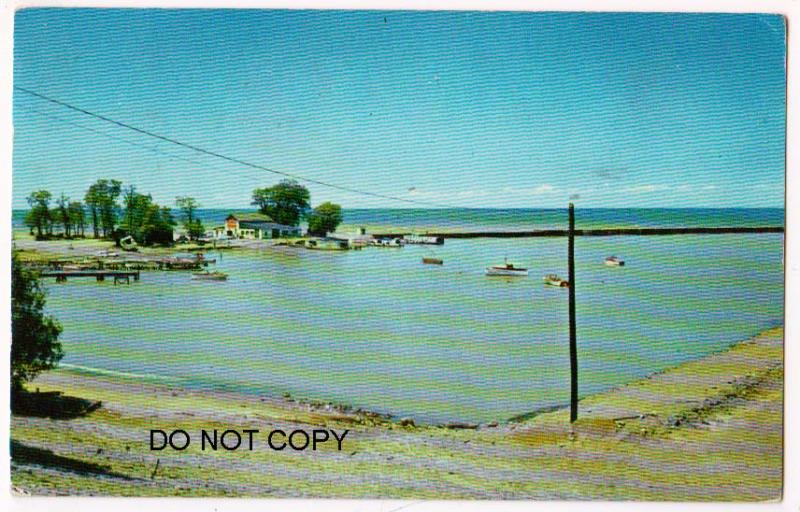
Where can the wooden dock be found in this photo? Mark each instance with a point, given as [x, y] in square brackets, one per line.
[101, 275]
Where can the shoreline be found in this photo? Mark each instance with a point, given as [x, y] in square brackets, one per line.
[326, 406]
[728, 403]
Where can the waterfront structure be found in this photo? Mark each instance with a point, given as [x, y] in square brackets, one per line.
[254, 226]
[327, 244]
[355, 240]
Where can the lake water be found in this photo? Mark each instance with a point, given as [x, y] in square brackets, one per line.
[378, 330]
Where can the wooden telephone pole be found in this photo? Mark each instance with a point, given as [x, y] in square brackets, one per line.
[573, 344]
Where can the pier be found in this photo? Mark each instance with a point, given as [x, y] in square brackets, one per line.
[599, 232]
[118, 275]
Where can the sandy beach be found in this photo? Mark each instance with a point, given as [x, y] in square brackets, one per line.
[706, 430]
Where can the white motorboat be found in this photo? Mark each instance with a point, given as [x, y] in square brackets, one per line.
[506, 269]
[210, 276]
[614, 261]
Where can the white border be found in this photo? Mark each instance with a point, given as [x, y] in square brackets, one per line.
[791, 500]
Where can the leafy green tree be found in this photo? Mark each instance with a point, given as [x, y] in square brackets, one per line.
[77, 217]
[146, 221]
[34, 335]
[192, 225]
[136, 206]
[157, 225]
[286, 203]
[39, 217]
[108, 206]
[102, 200]
[196, 229]
[325, 218]
[92, 200]
[130, 198]
[63, 214]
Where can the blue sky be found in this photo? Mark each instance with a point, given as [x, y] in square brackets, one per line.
[458, 108]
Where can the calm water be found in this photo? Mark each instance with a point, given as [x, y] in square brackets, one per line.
[379, 330]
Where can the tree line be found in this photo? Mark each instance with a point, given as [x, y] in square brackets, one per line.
[113, 212]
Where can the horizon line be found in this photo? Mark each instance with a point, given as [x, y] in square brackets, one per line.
[782, 207]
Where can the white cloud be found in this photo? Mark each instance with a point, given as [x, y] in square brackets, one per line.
[543, 189]
[644, 189]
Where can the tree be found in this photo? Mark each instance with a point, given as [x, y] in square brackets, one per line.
[63, 214]
[108, 205]
[157, 225]
[77, 217]
[92, 200]
[192, 225]
[136, 206]
[286, 203]
[39, 216]
[34, 335]
[324, 219]
[145, 221]
[130, 197]
[102, 200]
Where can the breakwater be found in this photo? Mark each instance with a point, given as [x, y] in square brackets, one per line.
[599, 232]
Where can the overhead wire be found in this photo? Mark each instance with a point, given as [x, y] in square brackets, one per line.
[216, 154]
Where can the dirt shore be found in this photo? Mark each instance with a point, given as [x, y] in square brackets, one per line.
[706, 430]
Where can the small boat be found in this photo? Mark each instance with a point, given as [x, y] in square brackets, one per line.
[506, 269]
[554, 280]
[423, 239]
[210, 276]
[395, 243]
[613, 261]
[433, 261]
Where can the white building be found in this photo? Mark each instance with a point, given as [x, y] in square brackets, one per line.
[253, 226]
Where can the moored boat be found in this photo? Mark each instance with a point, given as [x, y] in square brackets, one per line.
[614, 261]
[554, 280]
[506, 269]
[433, 261]
[423, 239]
[209, 276]
[395, 243]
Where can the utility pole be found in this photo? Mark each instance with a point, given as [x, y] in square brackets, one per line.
[573, 343]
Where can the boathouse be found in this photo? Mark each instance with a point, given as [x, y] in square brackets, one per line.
[254, 226]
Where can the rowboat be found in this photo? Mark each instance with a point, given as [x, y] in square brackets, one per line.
[506, 269]
[554, 280]
[209, 276]
[433, 261]
[613, 261]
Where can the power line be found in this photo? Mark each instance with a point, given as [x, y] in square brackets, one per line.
[112, 137]
[224, 157]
